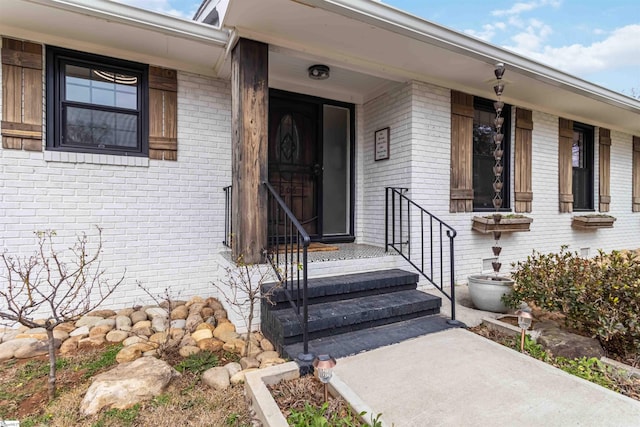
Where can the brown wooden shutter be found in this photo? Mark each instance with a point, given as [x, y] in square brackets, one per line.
[565, 164]
[21, 95]
[636, 174]
[163, 114]
[461, 189]
[605, 169]
[523, 184]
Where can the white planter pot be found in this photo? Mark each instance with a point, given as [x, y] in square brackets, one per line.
[486, 292]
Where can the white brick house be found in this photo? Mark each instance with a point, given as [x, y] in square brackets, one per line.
[162, 207]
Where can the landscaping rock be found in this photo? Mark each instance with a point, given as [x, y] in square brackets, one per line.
[127, 384]
[249, 362]
[239, 377]
[563, 343]
[117, 336]
[196, 308]
[100, 330]
[210, 344]
[188, 350]
[222, 328]
[271, 362]
[92, 342]
[187, 340]
[266, 345]
[123, 323]
[180, 313]
[70, 345]
[125, 312]
[157, 312]
[206, 325]
[134, 340]
[159, 324]
[138, 316]
[159, 338]
[60, 335]
[220, 314]
[8, 335]
[216, 378]
[201, 334]
[8, 349]
[178, 324]
[206, 312]
[107, 322]
[82, 331]
[89, 321]
[32, 349]
[102, 313]
[267, 355]
[192, 322]
[233, 368]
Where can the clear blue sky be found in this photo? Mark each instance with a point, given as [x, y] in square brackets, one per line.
[596, 40]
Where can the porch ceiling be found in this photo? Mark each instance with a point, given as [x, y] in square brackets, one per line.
[369, 46]
[118, 30]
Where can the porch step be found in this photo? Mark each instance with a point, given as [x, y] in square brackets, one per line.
[335, 288]
[355, 342]
[340, 305]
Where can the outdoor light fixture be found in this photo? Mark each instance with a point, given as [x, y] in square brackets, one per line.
[323, 365]
[524, 321]
[319, 72]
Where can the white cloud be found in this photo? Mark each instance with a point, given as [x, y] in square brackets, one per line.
[521, 7]
[162, 6]
[620, 49]
[487, 32]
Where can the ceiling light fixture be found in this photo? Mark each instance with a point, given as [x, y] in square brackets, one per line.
[319, 72]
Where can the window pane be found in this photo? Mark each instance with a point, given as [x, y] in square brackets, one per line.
[578, 150]
[483, 160]
[100, 128]
[101, 87]
[103, 97]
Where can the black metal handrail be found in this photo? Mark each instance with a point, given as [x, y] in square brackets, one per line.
[228, 223]
[402, 215]
[288, 243]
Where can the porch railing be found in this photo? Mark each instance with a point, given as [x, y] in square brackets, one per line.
[228, 223]
[288, 243]
[419, 237]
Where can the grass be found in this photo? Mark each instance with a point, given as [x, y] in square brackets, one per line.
[186, 401]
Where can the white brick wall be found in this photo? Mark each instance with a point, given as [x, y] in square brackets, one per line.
[163, 222]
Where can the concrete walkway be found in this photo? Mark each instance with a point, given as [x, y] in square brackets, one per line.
[457, 378]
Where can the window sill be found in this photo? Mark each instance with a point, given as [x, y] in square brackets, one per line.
[592, 222]
[507, 224]
[96, 159]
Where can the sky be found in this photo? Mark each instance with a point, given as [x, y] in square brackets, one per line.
[598, 41]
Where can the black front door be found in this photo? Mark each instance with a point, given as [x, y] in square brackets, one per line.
[294, 159]
[311, 162]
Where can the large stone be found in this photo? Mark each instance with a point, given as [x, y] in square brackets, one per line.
[216, 378]
[100, 330]
[138, 316]
[267, 355]
[210, 344]
[561, 342]
[159, 323]
[125, 312]
[215, 304]
[92, 342]
[207, 312]
[89, 321]
[178, 324]
[60, 335]
[8, 349]
[222, 328]
[220, 314]
[249, 362]
[33, 349]
[134, 340]
[233, 368]
[239, 377]
[193, 300]
[196, 308]
[133, 352]
[82, 331]
[117, 336]
[188, 350]
[34, 335]
[176, 333]
[70, 345]
[187, 340]
[206, 325]
[201, 334]
[102, 313]
[9, 335]
[157, 312]
[193, 321]
[123, 323]
[66, 326]
[266, 345]
[227, 336]
[107, 322]
[180, 313]
[127, 384]
[271, 362]
[159, 338]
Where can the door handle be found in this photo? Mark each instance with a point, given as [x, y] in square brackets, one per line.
[317, 169]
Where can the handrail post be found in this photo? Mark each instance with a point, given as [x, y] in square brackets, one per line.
[386, 219]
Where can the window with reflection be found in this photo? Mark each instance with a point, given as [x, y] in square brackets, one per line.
[96, 104]
[582, 160]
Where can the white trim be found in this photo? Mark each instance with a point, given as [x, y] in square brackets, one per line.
[145, 19]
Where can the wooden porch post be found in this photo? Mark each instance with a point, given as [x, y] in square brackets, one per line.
[249, 116]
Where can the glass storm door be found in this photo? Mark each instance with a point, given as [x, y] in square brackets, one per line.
[310, 144]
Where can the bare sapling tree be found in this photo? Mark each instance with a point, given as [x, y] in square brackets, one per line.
[167, 302]
[54, 286]
[244, 289]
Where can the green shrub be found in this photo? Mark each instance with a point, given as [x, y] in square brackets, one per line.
[599, 296]
[198, 363]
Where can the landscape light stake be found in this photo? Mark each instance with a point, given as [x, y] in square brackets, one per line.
[524, 321]
[323, 365]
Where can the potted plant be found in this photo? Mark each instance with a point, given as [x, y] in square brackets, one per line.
[487, 290]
